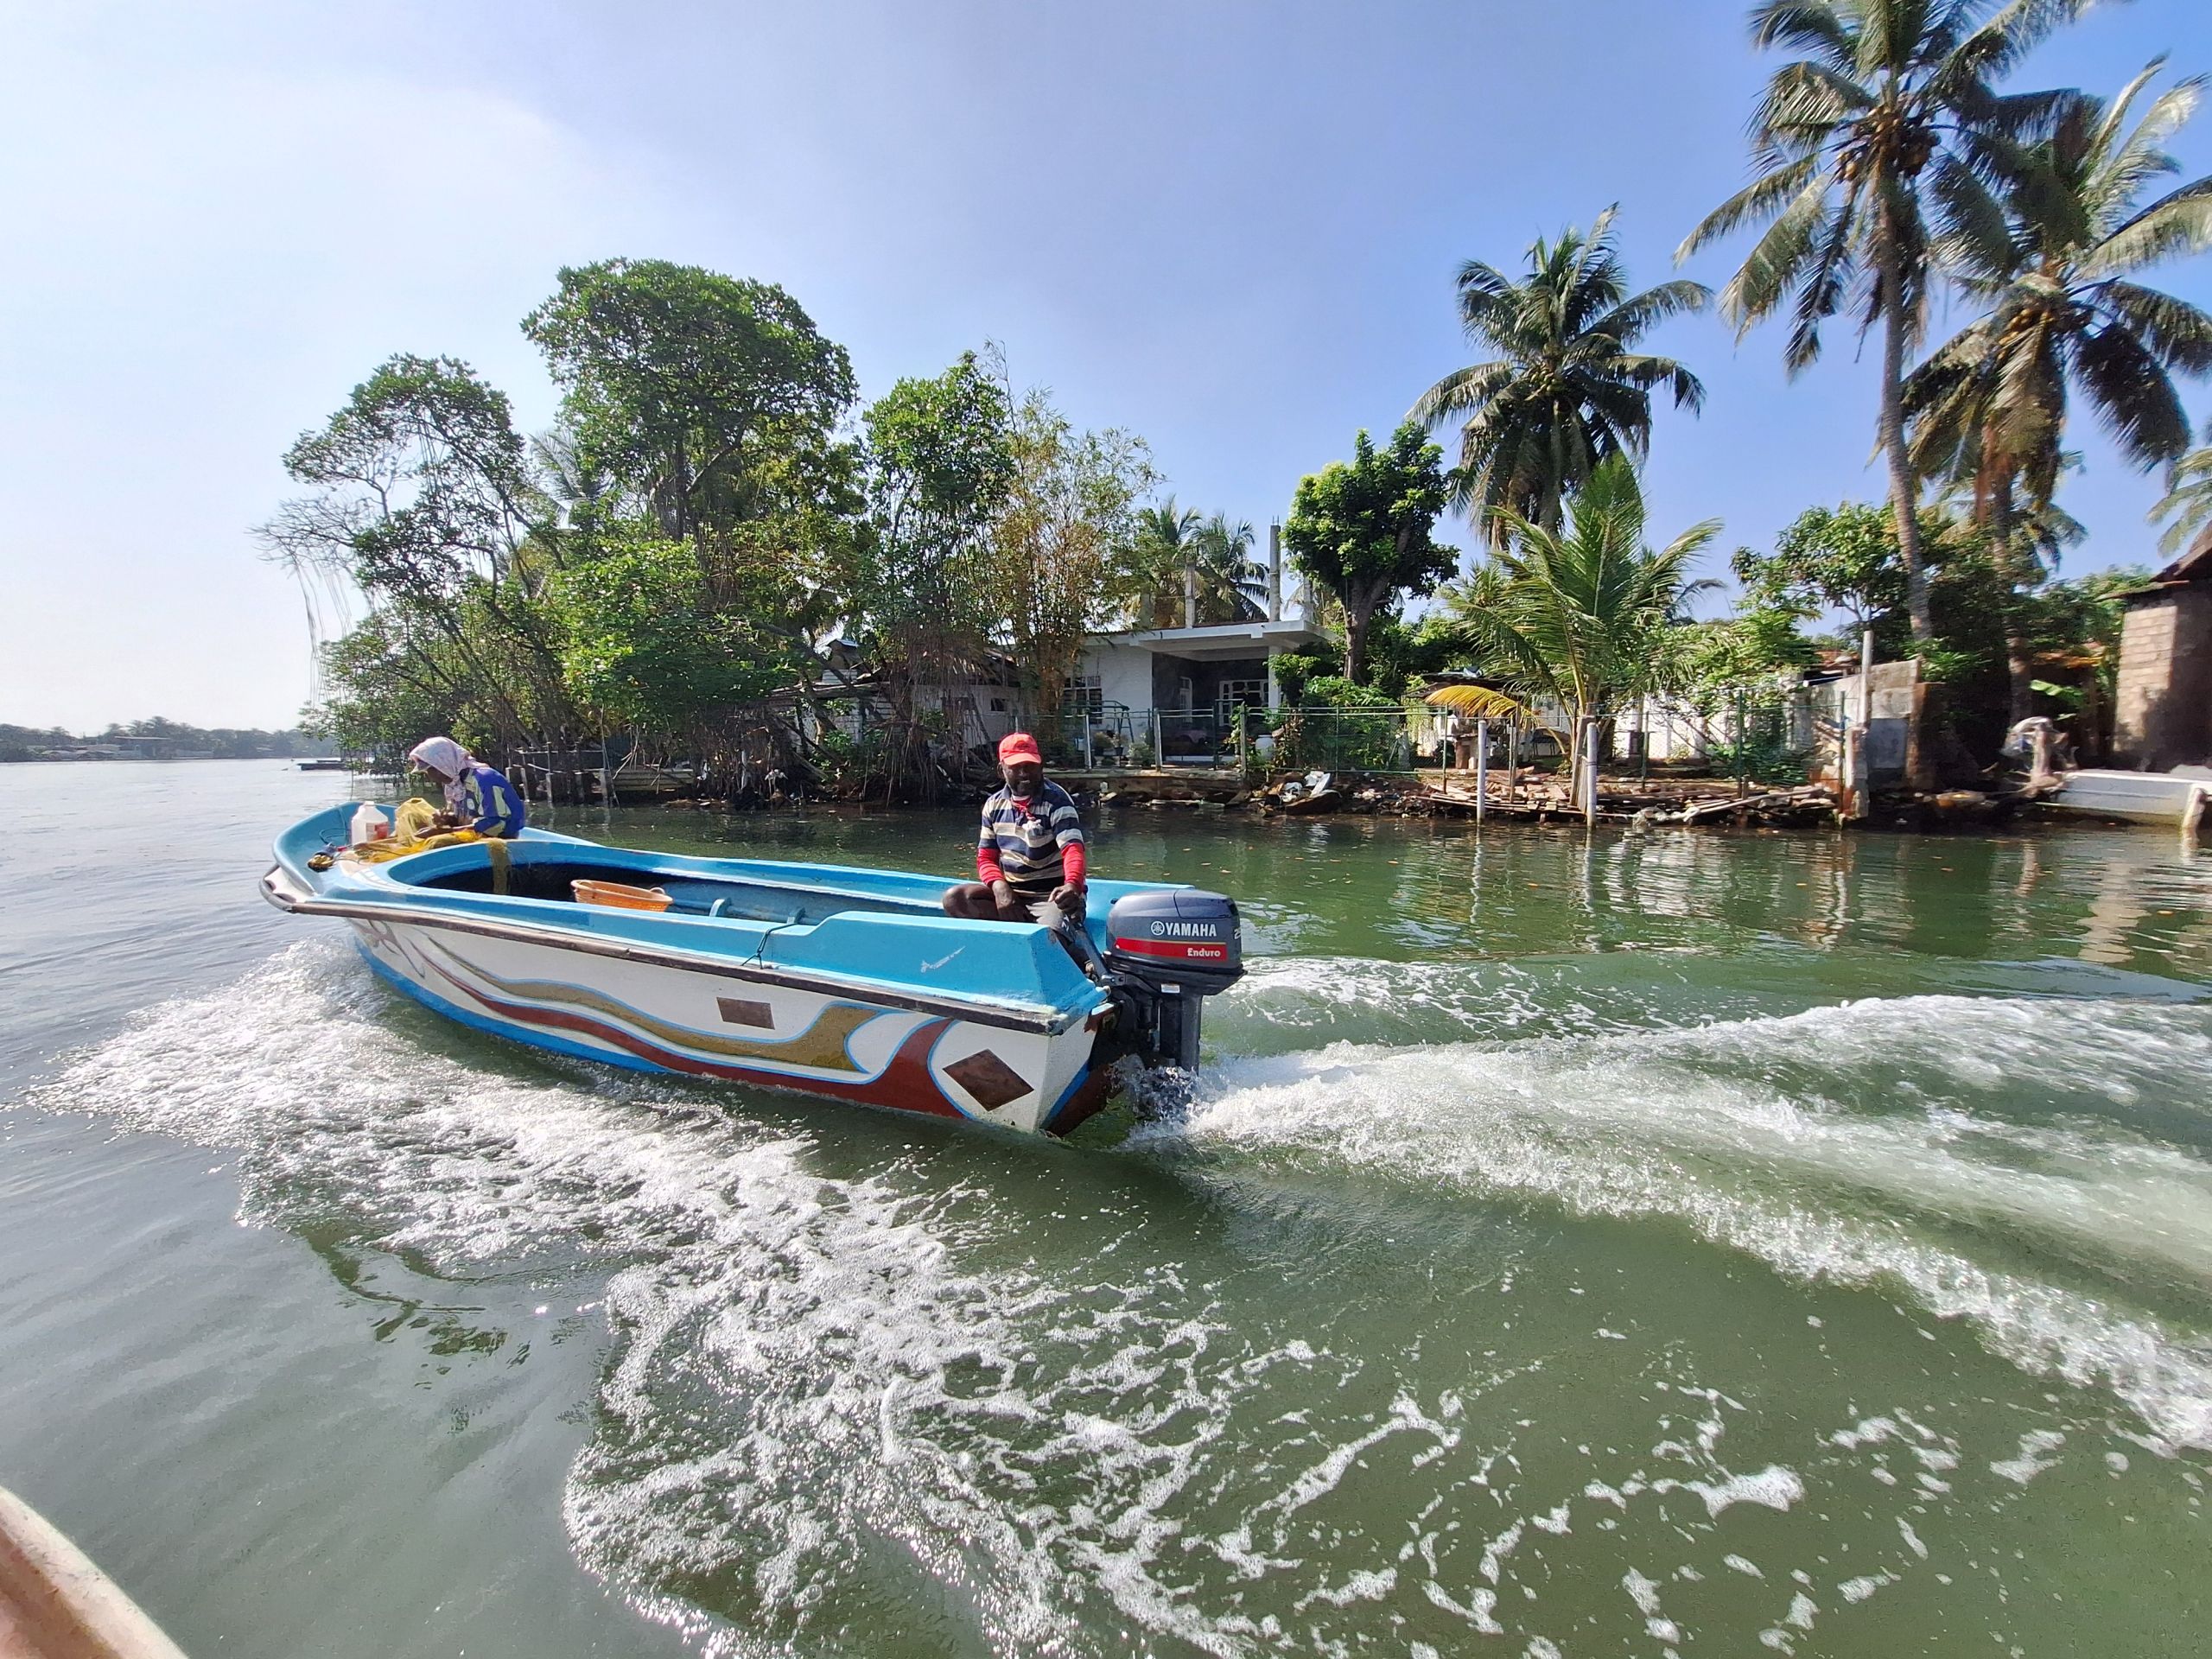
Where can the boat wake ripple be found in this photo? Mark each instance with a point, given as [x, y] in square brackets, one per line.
[905, 1392]
[1955, 1148]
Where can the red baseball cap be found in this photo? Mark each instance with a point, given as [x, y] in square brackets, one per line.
[1018, 746]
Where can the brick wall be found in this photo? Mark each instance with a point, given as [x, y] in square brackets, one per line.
[2163, 708]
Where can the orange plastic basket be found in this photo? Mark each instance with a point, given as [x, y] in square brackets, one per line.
[620, 895]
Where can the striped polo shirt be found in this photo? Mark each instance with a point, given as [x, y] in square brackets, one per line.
[1028, 836]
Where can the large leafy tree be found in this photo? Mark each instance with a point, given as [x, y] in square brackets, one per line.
[2053, 247]
[704, 410]
[1827, 559]
[698, 391]
[940, 463]
[1362, 531]
[644, 645]
[1847, 143]
[1566, 387]
[422, 499]
[1061, 540]
[1586, 615]
[420, 484]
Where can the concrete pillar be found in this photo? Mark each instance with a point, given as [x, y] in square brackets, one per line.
[1590, 774]
[1482, 769]
[1274, 686]
[1190, 596]
[1275, 588]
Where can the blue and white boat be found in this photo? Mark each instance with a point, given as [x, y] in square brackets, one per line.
[843, 982]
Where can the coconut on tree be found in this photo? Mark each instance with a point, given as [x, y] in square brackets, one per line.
[1566, 387]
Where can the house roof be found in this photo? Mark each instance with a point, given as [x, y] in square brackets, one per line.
[1224, 639]
[2195, 565]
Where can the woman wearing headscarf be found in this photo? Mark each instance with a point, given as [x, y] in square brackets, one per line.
[478, 797]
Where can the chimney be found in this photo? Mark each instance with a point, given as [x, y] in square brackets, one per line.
[1274, 573]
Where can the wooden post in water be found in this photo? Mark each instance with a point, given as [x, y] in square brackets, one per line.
[1481, 768]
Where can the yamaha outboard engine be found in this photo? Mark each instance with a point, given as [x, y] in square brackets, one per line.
[1168, 949]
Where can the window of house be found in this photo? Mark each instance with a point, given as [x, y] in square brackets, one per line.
[1243, 694]
[1084, 694]
[998, 705]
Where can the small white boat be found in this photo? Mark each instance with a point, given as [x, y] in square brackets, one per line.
[849, 983]
[54, 1604]
[2162, 797]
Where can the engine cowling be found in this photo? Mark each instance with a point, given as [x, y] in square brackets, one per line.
[1176, 935]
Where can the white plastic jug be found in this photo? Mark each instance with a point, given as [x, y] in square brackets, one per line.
[368, 824]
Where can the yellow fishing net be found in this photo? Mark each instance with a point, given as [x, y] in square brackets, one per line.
[413, 818]
[412, 833]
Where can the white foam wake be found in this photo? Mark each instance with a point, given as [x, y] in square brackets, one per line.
[1848, 1143]
[902, 1401]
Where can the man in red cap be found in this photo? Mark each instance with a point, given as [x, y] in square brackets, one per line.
[1030, 851]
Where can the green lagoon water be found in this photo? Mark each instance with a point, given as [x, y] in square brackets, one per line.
[1689, 1243]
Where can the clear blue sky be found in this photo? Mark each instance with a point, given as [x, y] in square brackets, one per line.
[1229, 227]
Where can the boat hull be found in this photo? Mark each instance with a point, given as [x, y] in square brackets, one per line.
[710, 1021]
[2161, 797]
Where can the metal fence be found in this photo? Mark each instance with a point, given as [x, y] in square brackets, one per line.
[1339, 739]
[1113, 736]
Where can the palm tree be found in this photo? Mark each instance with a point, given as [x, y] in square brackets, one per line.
[1228, 578]
[1585, 615]
[2050, 245]
[2187, 500]
[1565, 390]
[1159, 553]
[1844, 140]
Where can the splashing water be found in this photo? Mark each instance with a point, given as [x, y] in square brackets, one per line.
[1580, 1303]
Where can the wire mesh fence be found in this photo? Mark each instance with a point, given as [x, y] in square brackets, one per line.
[1339, 739]
[1112, 737]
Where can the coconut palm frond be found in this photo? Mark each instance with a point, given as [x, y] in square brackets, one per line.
[1481, 702]
[1567, 387]
[2187, 499]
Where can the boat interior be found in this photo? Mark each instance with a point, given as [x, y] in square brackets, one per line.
[731, 898]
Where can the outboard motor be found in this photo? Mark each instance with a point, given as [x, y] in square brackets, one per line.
[1168, 950]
